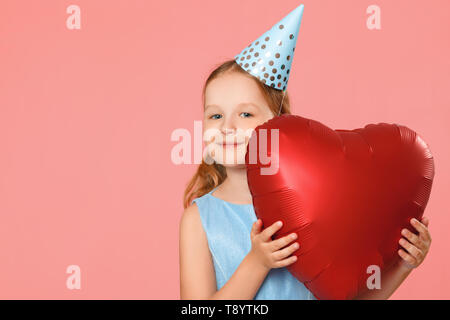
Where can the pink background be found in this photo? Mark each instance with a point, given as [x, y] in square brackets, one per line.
[86, 176]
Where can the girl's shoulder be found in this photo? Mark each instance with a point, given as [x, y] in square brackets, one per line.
[197, 205]
[197, 216]
[200, 199]
[191, 217]
[203, 200]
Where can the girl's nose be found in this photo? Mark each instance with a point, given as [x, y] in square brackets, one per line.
[228, 131]
[228, 134]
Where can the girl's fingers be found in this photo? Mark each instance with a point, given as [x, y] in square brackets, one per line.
[425, 221]
[423, 230]
[269, 231]
[410, 261]
[256, 228]
[411, 249]
[413, 238]
[285, 262]
[286, 252]
[283, 242]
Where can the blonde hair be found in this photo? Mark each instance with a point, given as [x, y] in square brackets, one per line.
[208, 176]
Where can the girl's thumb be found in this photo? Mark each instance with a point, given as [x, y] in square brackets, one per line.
[256, 226]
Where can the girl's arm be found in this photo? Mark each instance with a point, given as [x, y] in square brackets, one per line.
[197, 275]
[245, 281]
[416, 248]
[390, 281]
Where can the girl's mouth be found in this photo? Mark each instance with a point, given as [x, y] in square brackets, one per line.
[230, 145]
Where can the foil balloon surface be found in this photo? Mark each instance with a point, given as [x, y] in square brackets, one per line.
[346, 193]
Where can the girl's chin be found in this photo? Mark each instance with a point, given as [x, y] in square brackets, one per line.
[233, 162]
[234, 166]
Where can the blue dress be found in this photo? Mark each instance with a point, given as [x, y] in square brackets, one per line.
[227, 226]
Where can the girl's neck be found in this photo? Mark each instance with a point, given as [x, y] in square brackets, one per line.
[235, 186]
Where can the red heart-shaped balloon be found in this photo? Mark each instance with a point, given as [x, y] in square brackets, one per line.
[346, 193]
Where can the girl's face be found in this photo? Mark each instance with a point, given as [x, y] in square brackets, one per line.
[234, 106]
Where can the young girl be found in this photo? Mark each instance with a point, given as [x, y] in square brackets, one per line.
[225, 253]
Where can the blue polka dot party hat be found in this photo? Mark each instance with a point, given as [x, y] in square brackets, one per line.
[269, 57]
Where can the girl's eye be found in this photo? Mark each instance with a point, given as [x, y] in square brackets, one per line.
[246, 115]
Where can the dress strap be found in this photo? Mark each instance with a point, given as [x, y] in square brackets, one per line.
[213, 190]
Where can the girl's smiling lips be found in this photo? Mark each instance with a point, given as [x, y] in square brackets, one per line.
[229, 144]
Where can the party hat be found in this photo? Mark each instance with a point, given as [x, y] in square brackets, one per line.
[269, 57]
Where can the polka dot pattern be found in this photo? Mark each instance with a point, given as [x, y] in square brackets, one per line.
[269, 58]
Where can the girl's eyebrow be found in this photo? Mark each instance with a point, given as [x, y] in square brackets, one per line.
[239, 105]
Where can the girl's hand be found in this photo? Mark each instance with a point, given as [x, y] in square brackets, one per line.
[418, 245]
[272, 254]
